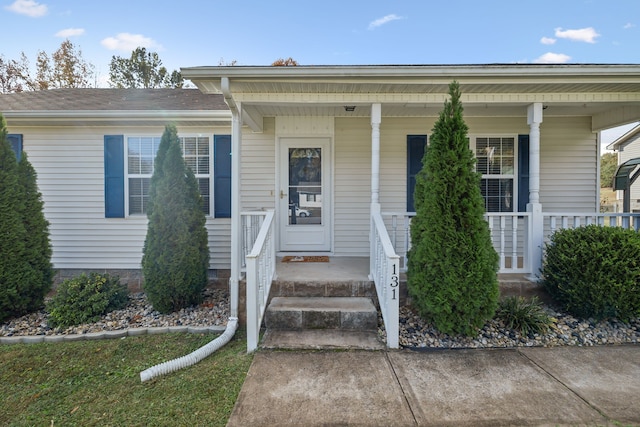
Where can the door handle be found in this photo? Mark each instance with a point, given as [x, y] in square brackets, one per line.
[282, 195]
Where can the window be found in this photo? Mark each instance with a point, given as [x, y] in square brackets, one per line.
[416, 147]
[141, 153]
[496, 162]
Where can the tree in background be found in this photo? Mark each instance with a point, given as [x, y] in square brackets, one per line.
[175, 257]
[25, 267]
[12, 74]
[65, 68]
[452, 268]
[608, 166]
[142, 70]
[280, 62]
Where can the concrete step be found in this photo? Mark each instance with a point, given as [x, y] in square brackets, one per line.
[315, 286]
[321, 339]
[343, 313]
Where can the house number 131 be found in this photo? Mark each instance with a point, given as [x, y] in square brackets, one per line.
[395, 281]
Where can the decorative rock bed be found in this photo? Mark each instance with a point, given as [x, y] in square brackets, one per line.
[211, 316]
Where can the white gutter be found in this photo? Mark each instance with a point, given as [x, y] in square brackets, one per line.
[232, 323]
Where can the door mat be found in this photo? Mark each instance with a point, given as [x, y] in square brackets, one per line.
[322, 258]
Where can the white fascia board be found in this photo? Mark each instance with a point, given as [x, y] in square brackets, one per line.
[403, 72]
[116, 114]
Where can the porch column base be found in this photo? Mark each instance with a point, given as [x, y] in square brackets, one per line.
[536, 240]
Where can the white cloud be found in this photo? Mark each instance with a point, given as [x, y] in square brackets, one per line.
[70, 32]
[552, 58]
[384, 20]
[128, 42]
[587, 35]
[628, 25]
[29, 8]
[547, 40]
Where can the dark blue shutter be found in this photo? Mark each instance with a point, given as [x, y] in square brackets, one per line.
[416, 146]
[222, 176]
[523, 172]
[114, 176]
[15, 140]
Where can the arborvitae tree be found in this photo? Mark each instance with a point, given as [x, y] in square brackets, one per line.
[37, 242]
[176, 254]
[452, 268]
[25, 274]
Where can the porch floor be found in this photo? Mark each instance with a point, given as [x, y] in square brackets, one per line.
[350, 269]
[337, 269]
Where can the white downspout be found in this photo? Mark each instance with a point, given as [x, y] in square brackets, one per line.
[232, 322]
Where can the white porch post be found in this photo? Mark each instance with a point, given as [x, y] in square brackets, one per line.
[536, 228]
[376, 118]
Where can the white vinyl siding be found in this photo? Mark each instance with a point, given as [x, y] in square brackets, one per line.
[568, 165]
[69, 162]
[352, 177]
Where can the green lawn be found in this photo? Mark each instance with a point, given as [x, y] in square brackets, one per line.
[97, 383]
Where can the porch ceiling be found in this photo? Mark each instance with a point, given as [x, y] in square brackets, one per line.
[610, 94]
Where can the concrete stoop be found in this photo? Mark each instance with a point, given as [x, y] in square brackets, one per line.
[321, 322]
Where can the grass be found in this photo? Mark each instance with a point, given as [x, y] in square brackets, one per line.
[97, 383]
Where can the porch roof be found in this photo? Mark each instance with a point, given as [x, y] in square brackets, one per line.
[610, 94]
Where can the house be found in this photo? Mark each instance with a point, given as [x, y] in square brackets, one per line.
[628, 148]
[351, 136]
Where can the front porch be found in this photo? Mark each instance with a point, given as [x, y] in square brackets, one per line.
[380, 277]
[307, 302]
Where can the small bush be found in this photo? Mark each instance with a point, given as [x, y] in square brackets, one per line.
[594, 271]
[525, 316]
[84, 299]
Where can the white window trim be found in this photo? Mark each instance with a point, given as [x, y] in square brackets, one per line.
[127, 175]
[472, 144]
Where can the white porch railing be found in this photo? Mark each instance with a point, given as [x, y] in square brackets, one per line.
[385, 272]
[554, 221]
[260, 265]
[511, 232]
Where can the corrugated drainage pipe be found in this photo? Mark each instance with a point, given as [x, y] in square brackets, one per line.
[194, 357]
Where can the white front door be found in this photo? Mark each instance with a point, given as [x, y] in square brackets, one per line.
[304, 202]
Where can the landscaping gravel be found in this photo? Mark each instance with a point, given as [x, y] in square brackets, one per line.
[414, 331]
[213, 311]
[564, 330]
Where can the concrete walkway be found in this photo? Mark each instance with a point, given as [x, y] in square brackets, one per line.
[593, 386]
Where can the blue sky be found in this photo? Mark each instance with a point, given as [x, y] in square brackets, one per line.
[328, 32]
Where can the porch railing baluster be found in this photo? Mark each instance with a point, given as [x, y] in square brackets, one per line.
[385, 273]
[260, 269]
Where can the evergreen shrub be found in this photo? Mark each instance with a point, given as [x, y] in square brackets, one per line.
[452, 267]
[83, 299]
[25, 251]
[594, 271]
[175, 258]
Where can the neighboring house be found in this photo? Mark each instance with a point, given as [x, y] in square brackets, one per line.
[628, 148]
[353, 136]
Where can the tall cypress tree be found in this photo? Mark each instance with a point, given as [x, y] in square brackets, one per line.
[37, 242]
[176, 255]
[25, 266]
[452, 268]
